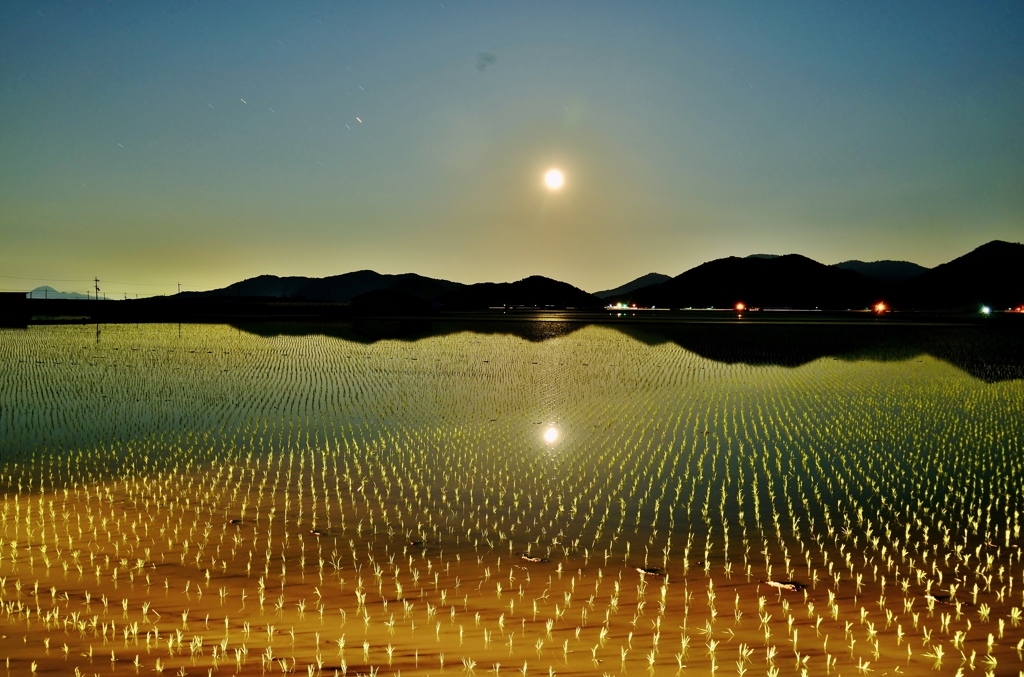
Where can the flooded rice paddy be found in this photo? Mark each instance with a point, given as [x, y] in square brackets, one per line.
[211, 500]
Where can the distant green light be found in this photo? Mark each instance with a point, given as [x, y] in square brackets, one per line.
[985, 310]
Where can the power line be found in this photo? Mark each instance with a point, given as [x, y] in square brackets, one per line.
[144, 284]
[40, 279]
[133, 284]
[81, 290]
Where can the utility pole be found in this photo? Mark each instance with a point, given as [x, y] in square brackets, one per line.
[179, 287]
[97, 281]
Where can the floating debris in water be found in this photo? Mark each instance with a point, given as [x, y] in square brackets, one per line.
[791, 586]
[650, 571]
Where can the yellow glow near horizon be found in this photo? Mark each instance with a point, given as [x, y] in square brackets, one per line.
[550, 435]
[554, 179]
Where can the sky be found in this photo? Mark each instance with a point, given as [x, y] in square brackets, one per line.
[156, 143]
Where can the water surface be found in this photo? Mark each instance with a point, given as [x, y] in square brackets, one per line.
[307, 464]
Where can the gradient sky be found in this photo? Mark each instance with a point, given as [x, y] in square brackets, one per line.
[687, 132]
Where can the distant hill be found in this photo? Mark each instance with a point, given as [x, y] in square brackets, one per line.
[644, 281]
[47, 292]
[991, 275]
[535, 291]
[335, 288]
[884, 271]
[408, 293]
[792, 281]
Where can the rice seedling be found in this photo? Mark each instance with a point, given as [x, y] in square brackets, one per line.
[185, 499]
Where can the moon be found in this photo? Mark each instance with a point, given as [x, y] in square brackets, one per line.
[554, 179]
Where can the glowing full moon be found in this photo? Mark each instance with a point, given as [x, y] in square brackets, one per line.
[554, 179]
[550, 435]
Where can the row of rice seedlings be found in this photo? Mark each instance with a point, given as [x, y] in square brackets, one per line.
[462, 472]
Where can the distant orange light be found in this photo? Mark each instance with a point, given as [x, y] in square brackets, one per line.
[880, 307]
[741, 306]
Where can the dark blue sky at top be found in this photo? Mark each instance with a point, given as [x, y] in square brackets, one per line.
[206, 142]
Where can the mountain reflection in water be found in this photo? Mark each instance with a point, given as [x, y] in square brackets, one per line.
[990, 354]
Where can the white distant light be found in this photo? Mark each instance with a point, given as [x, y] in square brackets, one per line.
[554, 179]
[550, 435]
[985, 310]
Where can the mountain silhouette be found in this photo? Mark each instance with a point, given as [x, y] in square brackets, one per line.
[791, 281]
[335, 288]
[47, 292]
[633, 285]
[532, 292]
[884, 271]
[991, 275]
